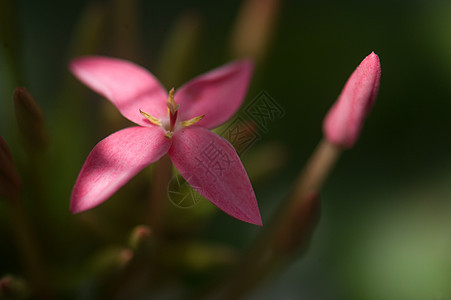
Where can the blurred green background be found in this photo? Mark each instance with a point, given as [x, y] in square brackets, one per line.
[385, 228]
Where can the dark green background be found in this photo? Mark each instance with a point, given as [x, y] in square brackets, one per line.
[386, 208]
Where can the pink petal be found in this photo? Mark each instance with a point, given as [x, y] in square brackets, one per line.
[128, 86]
[114, 161]
[344, 121]
[217, 94]
[211, 166]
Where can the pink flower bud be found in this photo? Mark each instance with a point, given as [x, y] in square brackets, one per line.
[10, 182]
[345, 119]
[30, 119]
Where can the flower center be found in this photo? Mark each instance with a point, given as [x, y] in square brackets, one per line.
[171, 126]
[172, 110]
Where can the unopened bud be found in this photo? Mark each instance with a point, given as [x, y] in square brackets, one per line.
[179, 49]
[9, 178]
[13, 288]
[254, 28]
[30, 119]
[140, 237]
[110, 260]
[344, 121]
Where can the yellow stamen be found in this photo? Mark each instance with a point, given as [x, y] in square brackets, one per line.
[171, 104]
[192, 121]
[152, 119]
[168, 134]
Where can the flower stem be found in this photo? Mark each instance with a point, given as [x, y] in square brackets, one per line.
[288, 230]
[28, 247]
[318, 168]
[159, 194]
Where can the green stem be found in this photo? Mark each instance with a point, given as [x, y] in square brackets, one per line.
[318, 168]
[159, 194]
[280, 239]
[29, 249]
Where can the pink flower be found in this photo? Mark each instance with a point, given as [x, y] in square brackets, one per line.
[177, 124]
[344, 121]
